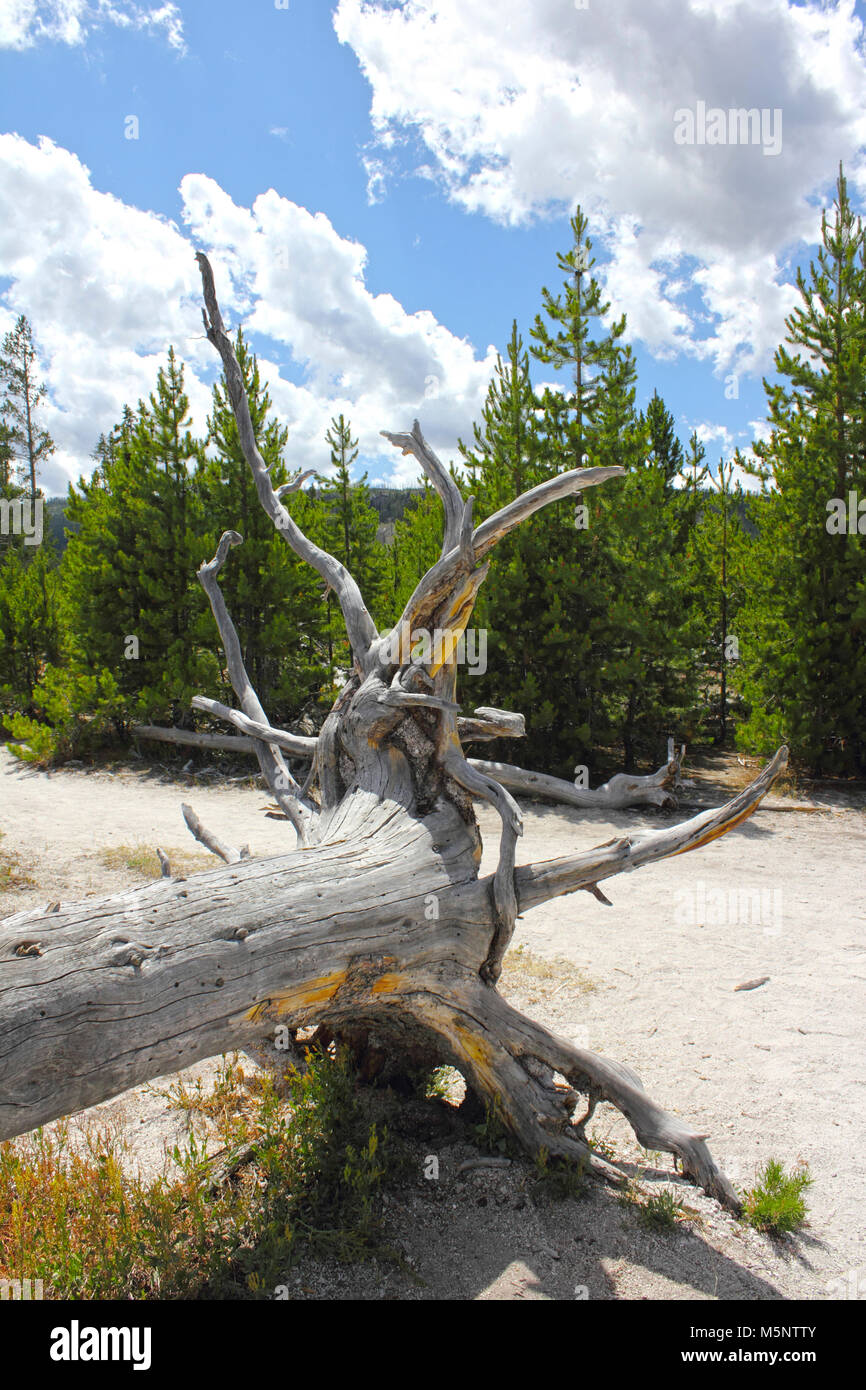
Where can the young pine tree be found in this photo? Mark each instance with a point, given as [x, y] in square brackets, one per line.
[348, 527]
[539, 651]
[415, 547]
[22, 396]
[718, 575]
[802, 632]
[646, 647]
[568, 345]
[130, 566]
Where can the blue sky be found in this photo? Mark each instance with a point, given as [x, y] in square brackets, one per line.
[383, 187]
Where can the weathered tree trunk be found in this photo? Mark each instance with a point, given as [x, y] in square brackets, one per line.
[378, 920]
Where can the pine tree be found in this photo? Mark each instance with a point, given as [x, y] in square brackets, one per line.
[349, 528]
[717, 576]
[506, 456]
[30, 623]
[646, 638]
[539, 657]
[802, 634]
[129, 569]
[415, 546]
[568, 344]
[7, 459]
[19, 406]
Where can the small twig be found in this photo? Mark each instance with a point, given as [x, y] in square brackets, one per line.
[483, 1163]
[206, 837]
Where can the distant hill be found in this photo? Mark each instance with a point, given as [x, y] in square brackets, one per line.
[389, 502]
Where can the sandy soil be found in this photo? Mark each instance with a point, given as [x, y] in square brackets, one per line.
[770, 1071]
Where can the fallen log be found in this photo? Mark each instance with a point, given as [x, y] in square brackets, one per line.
[623, 790]
[376, 927]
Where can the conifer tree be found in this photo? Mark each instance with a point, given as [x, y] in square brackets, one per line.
[349, 524]
[415, 546]
[717, 577]
[130, 567]
[7, 459]
[30, 623]
[20, 402]
[802, 633]
[567, 344]
[648, 631]
[530, 602]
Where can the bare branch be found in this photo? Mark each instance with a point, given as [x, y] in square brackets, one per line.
[622, 790]
[189, 737]
[504, 895]
[436, 585]
[537, 883]
[490, 723]
[210, 841]
[497, 526]
[359, 625]
[298, 744]
[283, 786]
[449, 492]
[294, 484]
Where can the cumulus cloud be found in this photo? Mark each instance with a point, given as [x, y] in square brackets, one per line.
[108, 287]
[525, 109]
[24, 23]
[298, 281]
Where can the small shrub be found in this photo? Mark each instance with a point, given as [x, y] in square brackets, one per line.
[657, 1211]
[443, 1083]
[661, 1211]
[290, 1176]
[775, 1203]
[77, 711]
[491, 1135]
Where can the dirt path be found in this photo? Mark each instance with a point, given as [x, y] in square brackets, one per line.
[775, 1070]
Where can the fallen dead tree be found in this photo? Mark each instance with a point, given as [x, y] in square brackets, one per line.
[623, 790]
[376, 927]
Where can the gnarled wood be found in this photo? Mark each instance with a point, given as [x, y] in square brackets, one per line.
[377, 921]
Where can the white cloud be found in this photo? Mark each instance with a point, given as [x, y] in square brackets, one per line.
[108, 287]
[526, 109]
[299, 282]
[24, 23]
[377, 179]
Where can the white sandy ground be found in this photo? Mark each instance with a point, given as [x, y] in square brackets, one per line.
[775, 1071]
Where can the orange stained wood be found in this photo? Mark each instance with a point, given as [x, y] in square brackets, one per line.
[458, 617]
[316, 991]
[719, 830]
[387, 984]
[477, 1051]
